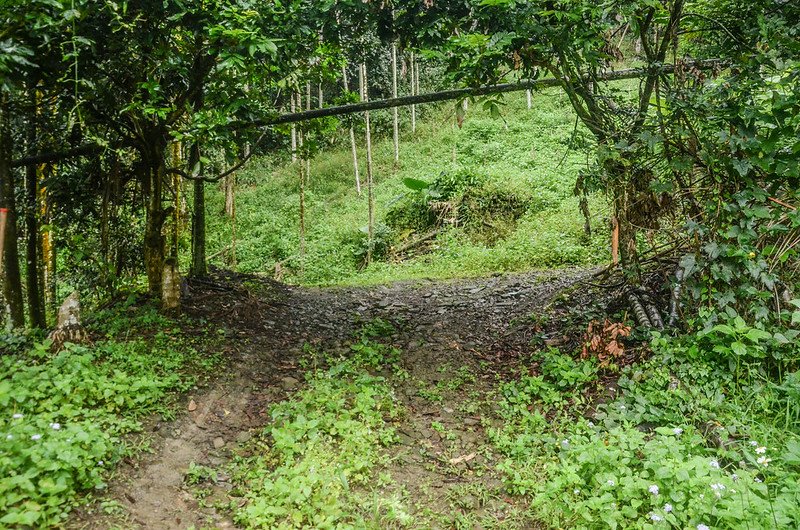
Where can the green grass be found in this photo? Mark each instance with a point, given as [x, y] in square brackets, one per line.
[314, 466]
[530, 155]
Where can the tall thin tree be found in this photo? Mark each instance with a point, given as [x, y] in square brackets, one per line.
[370, 198]
[12, 280]
[395, 123]
[353, 147]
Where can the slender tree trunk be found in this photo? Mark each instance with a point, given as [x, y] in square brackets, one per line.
[229, 183]
[353, 147]
[320, 103]
[48, 251]
[294, 128]
[396, 126]
[413, 92]
[12, 281]
[34, 291]
[199, 267]
[528, 99]
[302, 169]
[370, 198]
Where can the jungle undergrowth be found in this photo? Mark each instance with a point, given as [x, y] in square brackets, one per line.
[70, 416]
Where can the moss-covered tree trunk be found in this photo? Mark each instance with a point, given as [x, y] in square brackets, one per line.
[154, 170]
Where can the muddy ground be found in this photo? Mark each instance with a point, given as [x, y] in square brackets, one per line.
[458, 340]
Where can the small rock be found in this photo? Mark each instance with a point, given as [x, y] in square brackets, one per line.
[243, 437]
[219, 443]
[289, 383]
[192, 405]
[471, 421]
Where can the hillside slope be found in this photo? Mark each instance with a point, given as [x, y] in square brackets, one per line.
[519, 214]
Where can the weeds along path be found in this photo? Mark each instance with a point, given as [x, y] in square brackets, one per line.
[455, 337]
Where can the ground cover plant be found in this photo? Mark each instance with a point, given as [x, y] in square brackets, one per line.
[68, 416]
[316, 463]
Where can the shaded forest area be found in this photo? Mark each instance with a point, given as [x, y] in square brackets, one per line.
[654, 384]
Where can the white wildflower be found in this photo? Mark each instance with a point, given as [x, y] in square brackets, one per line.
[735, 477]
[764, 461]
[591, 424]
[718, 488]
[653, 489]
[9, 437]
[655, 517]
[17, 416]
[36, 437]
[678, 431]
[576, 491]
[667, 508]
[714, 464]
[100, 463]
[610, 482]
[757, 480]
[761, 450]
[55, 426]
[701, 526]
[753, 443]
[564, 444]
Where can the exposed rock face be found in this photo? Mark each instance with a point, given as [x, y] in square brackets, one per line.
[69, 328]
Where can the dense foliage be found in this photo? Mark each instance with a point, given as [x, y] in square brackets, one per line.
[68, 416]
[115, 115]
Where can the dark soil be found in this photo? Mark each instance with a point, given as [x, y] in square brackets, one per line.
[458, 339]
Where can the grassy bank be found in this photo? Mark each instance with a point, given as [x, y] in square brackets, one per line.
[523, 165]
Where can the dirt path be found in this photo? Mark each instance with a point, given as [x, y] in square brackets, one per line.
[455, 336]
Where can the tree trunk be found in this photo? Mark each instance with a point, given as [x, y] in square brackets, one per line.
[230, 190]
[12, 282]
[352, 138]
[302, 167]
[413, 93]
[154, 242]
[395, 124]
[199, 267]
[170, 276]
[35, 301]
[48, 252]
[294, 128]
[370, 198]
